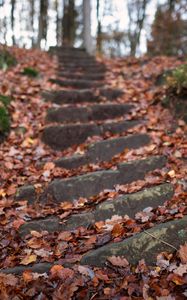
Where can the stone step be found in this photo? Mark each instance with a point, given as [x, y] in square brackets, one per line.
[77, 83]
[104, 151]
[74, 56]
[87, 113]
[145, 245]
[91, 184]
[60, 137]
[165, 237]
[83, 95]
[88, 76]
[128, 204]
[84, 68]
[76, 60]
[68, 50]
[80, 63]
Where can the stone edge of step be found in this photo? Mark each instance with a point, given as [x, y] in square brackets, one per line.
[78, 160]
[28, 192]
[159, 194]
[142, 245]
[178, 224]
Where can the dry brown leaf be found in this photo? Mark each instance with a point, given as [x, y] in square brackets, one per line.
[8, 279]
[117, 230]
[118, 261]
[28, 259]
[183, 253]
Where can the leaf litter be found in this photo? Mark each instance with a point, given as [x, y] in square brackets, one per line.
[24, 159]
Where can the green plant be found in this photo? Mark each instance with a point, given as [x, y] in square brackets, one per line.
[30, 72]
[6, 60]
[5, 100]
[4, 120]
[178, 79]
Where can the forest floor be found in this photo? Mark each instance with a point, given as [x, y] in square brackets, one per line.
[26, 160]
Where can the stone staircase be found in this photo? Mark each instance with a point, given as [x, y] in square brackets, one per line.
[92, 110]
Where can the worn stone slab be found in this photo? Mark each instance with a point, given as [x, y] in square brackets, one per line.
[83, 95]
[133, 203]
[92, 184]
[82, 75]
[77, 83]
[128, 204]
[36, 268]
[145, 245]
[104, 150]
[26, 192]
[142, 245]
[80, 63]
[87, 113]
[61, 137]
[76, 58]
[161, 78]
[61, 51]
[85, 69]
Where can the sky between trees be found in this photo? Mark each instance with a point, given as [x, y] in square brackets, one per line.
[118, 27]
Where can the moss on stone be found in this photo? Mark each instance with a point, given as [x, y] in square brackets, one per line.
[5, 100]
[4, 120]
[6, 59]
[31, 72]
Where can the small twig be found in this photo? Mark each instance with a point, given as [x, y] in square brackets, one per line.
[93, 296]
[160, 240]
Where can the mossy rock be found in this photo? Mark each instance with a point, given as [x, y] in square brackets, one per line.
[161, 79]
[177, 80]
[6, 59]
[31, 72]
[5, 100]
[4, 120]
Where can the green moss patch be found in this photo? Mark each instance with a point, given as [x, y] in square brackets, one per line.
[31, 72]
[176, 92]
[5, 100]
[4, 116]
[6, 60]
[177, 81]
[4, 120]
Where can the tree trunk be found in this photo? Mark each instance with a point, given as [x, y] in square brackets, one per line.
[171, 4]
[99, 30]
[137, 15]
[42, 30]
[58, 35]
[13, 4]
[32, 11]
[68, 23]
[87, 38]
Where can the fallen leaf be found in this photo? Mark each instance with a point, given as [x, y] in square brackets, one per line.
[8, 279]
[117, 230]
[86, 271]
[183, 253]
[58, 271]
[65, 236]
[49, 166]
[17, 223]
[171, 174]
[118, 261]
[28, 259]
[27, 276]
[42, 253]
[181, 270]
[9, 165]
